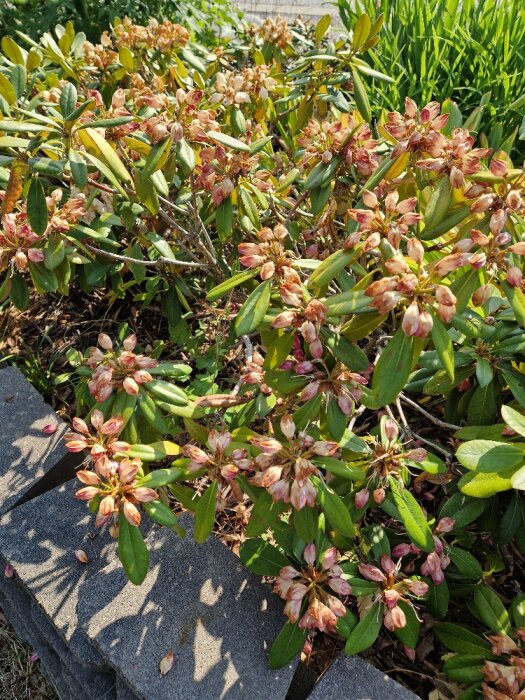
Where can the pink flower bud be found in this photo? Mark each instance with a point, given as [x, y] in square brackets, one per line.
[130, 386]
[81, 556]
[131, 514]
[371, 573]
[387, 564]
[370, 200]
[418, 588]
[446, 525]
[50, 428]
[410, 322]
[481, 295]
[309, 553]
[105, 341]
[309, 391]
[86, 494]
[340, 586]
[514, 276]
[498, 168]
[517, 248]
[379, 495]
[9, 572]
[361, 498]
[401, 550]
[391, 429]
[288, 426]
[316, 349]
[329, 558]
[410, 653]
[166, 663]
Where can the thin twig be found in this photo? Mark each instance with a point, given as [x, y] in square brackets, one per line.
[146, 263]
[433, 419]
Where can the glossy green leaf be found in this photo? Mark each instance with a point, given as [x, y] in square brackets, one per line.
[132, 551]
[254, 309]
[205, 514]
[262, 558]
[366, 631]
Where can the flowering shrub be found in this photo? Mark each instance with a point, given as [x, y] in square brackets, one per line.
[355, 278]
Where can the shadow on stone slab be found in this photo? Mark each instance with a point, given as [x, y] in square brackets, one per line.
[39, 539]
[352, 678]
[26, 453]
[198, 601]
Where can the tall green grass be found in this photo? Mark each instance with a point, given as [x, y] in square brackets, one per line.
[459, 49]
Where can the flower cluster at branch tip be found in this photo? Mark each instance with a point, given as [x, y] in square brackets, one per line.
[394, 588]
[309, 586]
[307, 319]
[221, 463]
[504, 678]
[275, 32]
[284, 468]
[114, 370]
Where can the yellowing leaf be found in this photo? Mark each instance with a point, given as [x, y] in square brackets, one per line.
[94, 141]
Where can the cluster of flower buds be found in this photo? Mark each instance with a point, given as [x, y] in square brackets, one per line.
[220, 169]
[102, 55]
[117, 369]
[505, 678]
[353, 143]
[388, 458]
[274, 261]
[103, 445]
[284, 468]
[164, 36]
[412, 128]
[253, 372]
[307, 588]
[18, 242]
[453, 156]
[389, 219]
[238, 88]
[307, 319]
[500, 199]
[435, 562]
[340, 383]
[275, 31]
[419, 292]
[394, 587]
[221, 463]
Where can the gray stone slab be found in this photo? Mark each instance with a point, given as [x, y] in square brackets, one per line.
[39, 539]
[198, 601]
[352, 678]
[26, 453]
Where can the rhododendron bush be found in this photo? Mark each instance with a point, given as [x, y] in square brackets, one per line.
[359, 274]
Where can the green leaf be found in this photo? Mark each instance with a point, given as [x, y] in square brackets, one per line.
[335, 419]
[483, 407]
[305, 523]
[78, 169]
[412, 516]
[336, 512]
[44, 280]
[229, 284]
[262, 558]
[161, 477]
[491, 610]
[437, 599]
[516, 299]
[322, 27]
[330, 268]
[366, 631]
[68, 100]
[468, 565]
[518, 479]
[465, 668]
[484, 485]
[484, 373]
[132, 551]
[489, 456]
[161, 513]
[224, 218]
[510, 521]
[460, 639]
[154, 452]
[392, 369]
[287, 644]
[514, 419]
[228, 141]
[361, 97]
[205, 514]
[254, 309]
[37, 207]
[444, 348]
[438, 205]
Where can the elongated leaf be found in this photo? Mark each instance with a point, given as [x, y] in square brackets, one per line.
[132, 551]
[490, 456]
[514, 419]
[460, 639]
[92, 139]
[491, 610]
[361, 97]
[484, 485]
[262, 558]
[392, 369]
[68, 99]
[412, 516]
[36, 206]
[205, 514]
[443, 344]
[254, 309]
[466, 563]
[228, 141]
[287, 644]
[366, 631]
